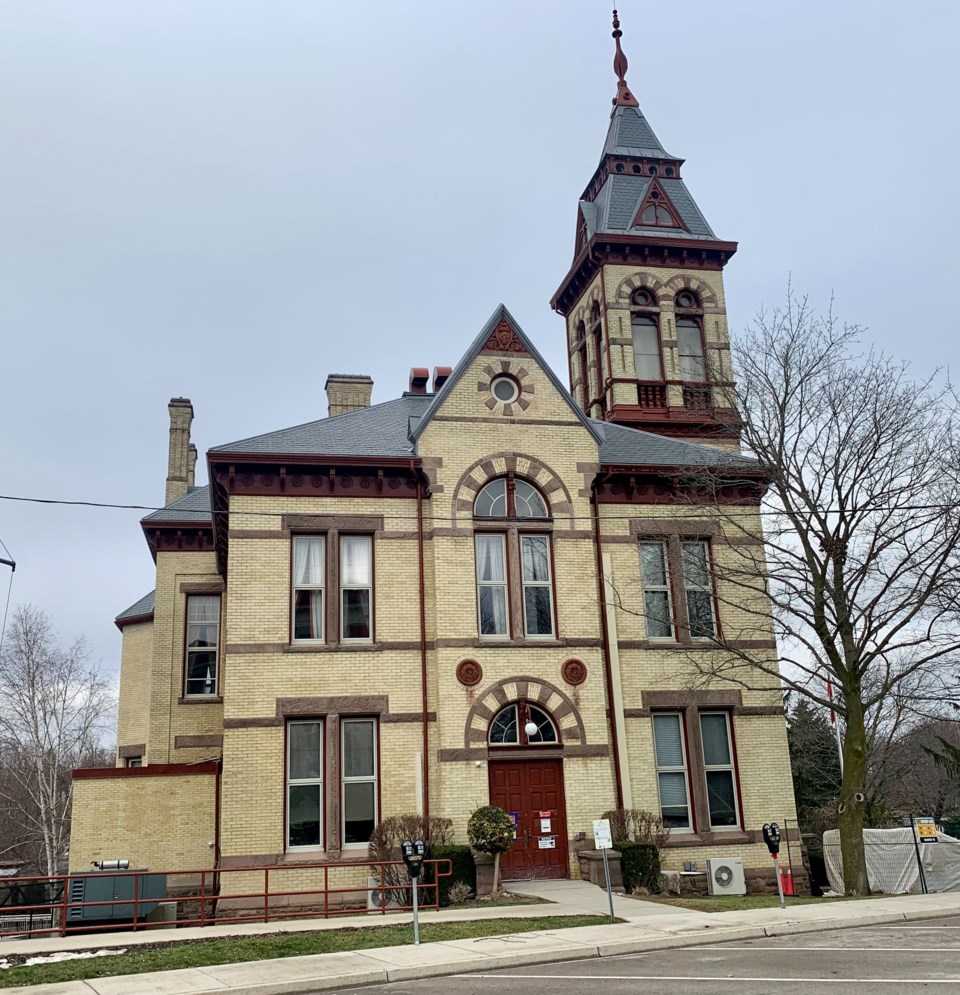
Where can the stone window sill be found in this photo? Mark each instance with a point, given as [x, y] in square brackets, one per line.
[332, 647]
[210, 699]
[714, 838]
[517, 643]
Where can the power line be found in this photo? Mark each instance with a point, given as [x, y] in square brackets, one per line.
[727, 512]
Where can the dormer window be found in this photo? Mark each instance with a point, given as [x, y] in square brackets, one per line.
[655, 211]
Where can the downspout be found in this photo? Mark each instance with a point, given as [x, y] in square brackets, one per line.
[607, 669]
[423, 659]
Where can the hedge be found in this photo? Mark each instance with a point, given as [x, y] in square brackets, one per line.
[640, 863]
[464, 868]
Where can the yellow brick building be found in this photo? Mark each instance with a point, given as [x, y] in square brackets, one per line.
[489, 589]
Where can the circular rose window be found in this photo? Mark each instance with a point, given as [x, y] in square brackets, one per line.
[504, 389]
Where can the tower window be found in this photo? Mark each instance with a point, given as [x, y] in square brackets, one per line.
[646, 347]
[687, 300]
[658, 215]
[642, 298]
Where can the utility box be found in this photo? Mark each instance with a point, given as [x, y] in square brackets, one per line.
[725, 876]
[118, 888]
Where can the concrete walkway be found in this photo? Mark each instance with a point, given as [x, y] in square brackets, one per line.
[585, 898]
[644, 930]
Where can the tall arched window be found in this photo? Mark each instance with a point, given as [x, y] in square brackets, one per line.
[690, 345]
[645, 327]
[512, 557]
[582, 368]
[596, 329]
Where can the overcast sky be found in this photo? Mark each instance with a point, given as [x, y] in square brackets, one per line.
[230, 199]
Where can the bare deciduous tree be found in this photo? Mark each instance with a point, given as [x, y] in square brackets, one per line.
[861, 565]
[53, 709]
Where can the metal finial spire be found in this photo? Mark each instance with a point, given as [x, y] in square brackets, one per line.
[624, 97]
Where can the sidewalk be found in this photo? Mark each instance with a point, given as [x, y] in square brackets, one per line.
[646, 927]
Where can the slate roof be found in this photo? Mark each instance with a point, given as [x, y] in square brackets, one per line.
[137, 610]
[195, 507]
[619, 199]
[622, 446]
[630, 134]
[380, 430]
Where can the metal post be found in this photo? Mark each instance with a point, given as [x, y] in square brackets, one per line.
[916, 850]
[606, 875]
[416, 915]
[776, 867]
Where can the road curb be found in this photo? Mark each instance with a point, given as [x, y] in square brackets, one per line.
[456, 957]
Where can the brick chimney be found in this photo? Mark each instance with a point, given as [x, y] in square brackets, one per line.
[192, 465]
[179, 462]
[347, 392]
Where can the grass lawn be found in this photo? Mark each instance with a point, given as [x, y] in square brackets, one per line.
[201, 953]
[741, 903]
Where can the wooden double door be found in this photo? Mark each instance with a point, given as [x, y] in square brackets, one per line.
[531, 791]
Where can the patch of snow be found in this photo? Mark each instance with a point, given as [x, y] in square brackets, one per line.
[63, 955]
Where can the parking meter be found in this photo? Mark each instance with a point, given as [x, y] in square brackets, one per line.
[413, 853]
[771, 836]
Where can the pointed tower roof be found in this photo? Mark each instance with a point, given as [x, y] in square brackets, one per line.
[615, 208]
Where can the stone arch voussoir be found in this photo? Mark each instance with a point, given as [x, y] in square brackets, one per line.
[523, 465]
[632, 282]
[686, 281]
[535, 690]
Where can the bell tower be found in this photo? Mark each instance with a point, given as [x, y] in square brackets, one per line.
[643, 300]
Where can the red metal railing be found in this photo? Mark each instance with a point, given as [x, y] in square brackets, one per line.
[204, 888]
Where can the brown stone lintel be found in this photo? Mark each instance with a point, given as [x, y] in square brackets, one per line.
[306, 858]
[452, 756]
[247, 649]
[257, 534]
[587, 750]
[153, 770]
[343, 523]
[504, 644]
[137, 750]
[673, 526]
[688, 699]
[531, 753]
[255, 722]
[196, 742]
[352, 704]
[240, 649]
[588, 467]
[203, 587]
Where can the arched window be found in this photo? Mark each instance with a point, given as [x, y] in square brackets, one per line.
[582, 367]
[508, 727]
[601, 369]
[690, 346]
[509, 549]
[656, 213]
[645, 329]
[508, 497]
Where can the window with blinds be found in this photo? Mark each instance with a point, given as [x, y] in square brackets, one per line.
[671, 770]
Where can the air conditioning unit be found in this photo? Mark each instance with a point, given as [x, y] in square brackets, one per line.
[725, 876]
[380, 898]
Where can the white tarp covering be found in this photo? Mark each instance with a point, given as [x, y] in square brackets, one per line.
[892, 862]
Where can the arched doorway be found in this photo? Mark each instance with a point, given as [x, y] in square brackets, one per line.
[526, 780]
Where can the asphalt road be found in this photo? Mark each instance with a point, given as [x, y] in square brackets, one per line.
[919, 956]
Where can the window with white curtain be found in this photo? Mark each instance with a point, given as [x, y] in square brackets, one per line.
[305, 785]
[670, 751]
[537, 585]
[309, 581]
[203, 639]
[356, 588]
[492, 584]
[718, 770]
[359, 775]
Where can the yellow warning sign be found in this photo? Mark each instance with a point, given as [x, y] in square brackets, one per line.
[926, 829]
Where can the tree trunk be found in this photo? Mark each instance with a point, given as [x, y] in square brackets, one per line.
[852, 798]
